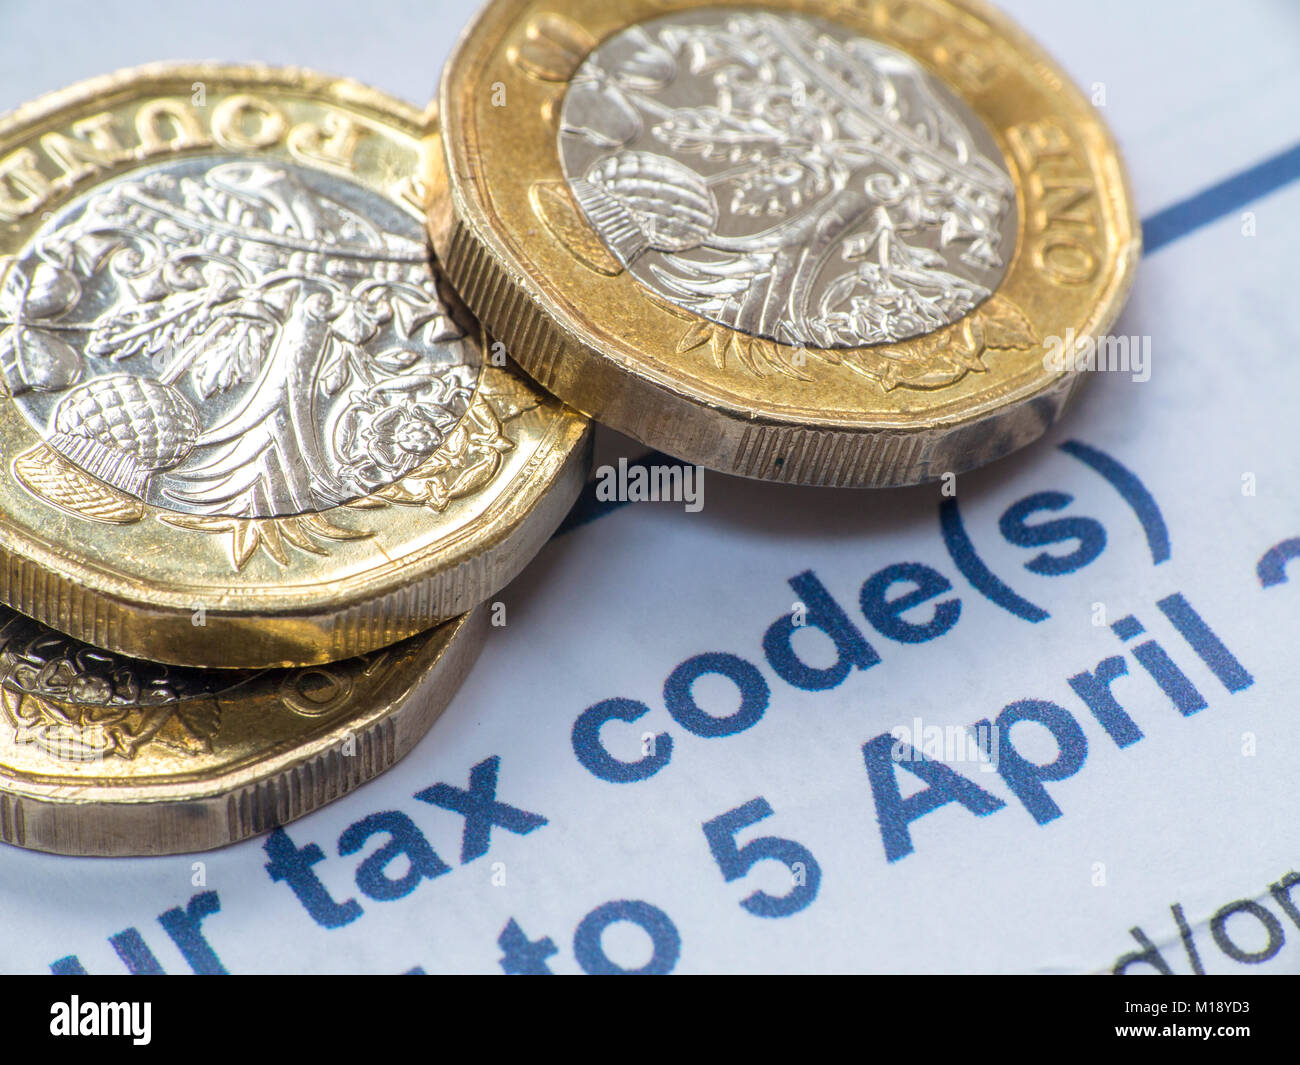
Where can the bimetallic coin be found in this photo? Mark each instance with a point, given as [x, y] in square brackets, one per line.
[827, 244]
[245, 424]
[105, 755]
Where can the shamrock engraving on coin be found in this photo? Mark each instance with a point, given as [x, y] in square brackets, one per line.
[782, 176]
[798, 241]
[106, 755]
[246, 421]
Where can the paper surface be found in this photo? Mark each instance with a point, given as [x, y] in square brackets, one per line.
[1200, 812]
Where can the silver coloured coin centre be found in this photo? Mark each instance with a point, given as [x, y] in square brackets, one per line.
[219, 335]
[782, 176]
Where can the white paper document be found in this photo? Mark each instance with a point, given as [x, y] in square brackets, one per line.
[1039, 722]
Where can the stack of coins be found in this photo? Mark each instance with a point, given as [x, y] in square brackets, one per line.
[263, 466]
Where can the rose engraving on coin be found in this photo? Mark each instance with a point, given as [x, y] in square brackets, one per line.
[228, 337]
[785, 177]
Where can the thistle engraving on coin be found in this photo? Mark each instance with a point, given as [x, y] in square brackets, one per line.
[235, 338]
[787, 178]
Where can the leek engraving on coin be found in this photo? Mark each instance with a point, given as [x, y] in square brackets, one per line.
[786, 178]
[234, 338]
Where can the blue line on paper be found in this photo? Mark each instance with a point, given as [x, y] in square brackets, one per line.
[588, 508]
[1186, 216]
